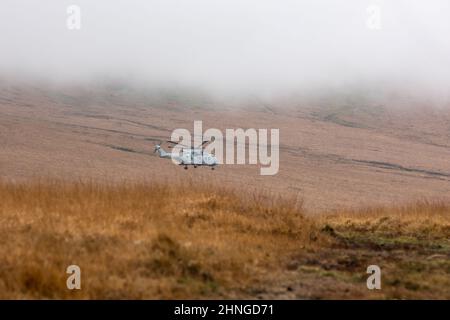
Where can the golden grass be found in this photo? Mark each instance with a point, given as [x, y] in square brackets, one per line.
[424, 220]
[152, 241]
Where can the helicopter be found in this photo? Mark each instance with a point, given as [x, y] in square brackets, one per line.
[189, 156]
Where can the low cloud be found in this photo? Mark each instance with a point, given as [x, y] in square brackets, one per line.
[257, 46]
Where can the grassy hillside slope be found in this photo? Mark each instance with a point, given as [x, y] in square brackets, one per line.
[151, 240]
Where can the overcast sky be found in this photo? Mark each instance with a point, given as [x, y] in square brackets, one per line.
[230, 44]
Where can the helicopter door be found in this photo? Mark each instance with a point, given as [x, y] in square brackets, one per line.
[197, 157]
[187, 156]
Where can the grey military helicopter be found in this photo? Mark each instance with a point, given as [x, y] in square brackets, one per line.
[189, 156]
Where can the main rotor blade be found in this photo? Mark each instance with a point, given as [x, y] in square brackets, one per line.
[180, 144]
[191, 147]
[207, 141]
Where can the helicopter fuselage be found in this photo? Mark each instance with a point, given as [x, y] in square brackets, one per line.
[196, 157]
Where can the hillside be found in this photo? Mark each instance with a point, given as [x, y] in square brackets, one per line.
[197, 240]
[341, 151]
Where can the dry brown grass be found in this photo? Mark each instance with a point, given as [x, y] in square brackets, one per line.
[199, 241]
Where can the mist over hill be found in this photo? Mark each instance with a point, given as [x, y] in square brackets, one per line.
[233, 48]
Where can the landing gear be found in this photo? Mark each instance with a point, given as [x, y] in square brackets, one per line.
[212, 168]
[185, 167]
[195, 167]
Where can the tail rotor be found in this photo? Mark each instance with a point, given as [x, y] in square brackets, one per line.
[157, 147]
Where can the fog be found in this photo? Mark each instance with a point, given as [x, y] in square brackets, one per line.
[257, 46]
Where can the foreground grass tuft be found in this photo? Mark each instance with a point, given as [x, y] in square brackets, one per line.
[147, 241]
